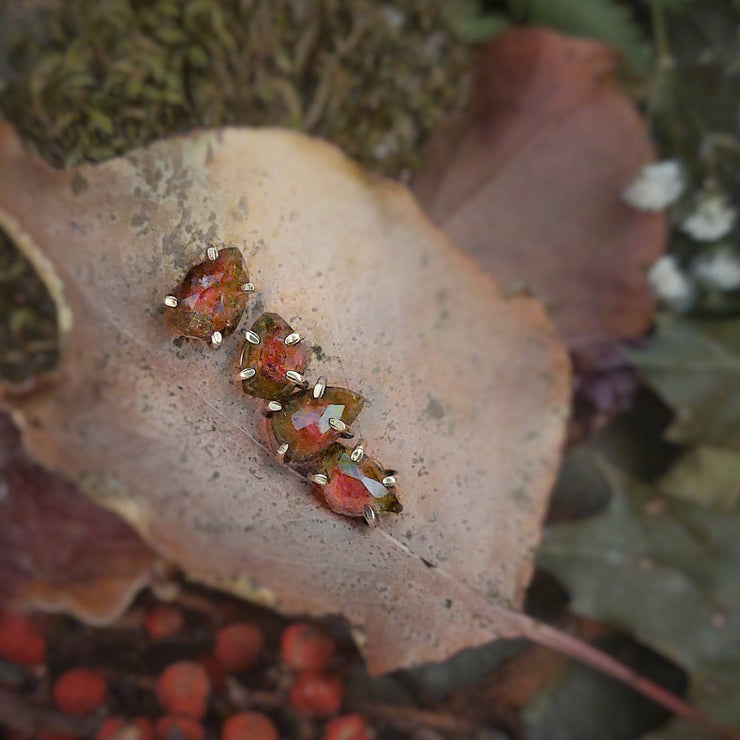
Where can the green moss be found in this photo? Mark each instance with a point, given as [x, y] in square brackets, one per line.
[98, 78]
[28, 333]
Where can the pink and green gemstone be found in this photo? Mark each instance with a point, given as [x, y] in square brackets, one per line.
[304, 422]
[353, 485]
[211, 298]
[271, 359]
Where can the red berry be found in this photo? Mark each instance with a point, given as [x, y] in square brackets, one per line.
[348, 727]
[183, 688]
[249, 726]
[80, 691]
[316, 694]
[163, 621]
[238, 646]
[215, 671]
[306, 646]
[120, 728]
[21, 641]
[171, 727]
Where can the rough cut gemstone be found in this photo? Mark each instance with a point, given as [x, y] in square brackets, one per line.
[354, 485]
[303, 423]
[271, 358]
[210, 298]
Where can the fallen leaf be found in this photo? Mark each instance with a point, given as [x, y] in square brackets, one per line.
[665, 569]
[466, 390]
[529, 184]
[62, 552]
[695, 366]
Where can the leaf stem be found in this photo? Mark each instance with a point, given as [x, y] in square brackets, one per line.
[544, 634]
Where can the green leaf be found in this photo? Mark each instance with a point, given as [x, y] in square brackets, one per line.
[575, 704]
[681, 730]
[705, 475]
[665, 569]
[471, 24]
[605, 20]
[695, 367]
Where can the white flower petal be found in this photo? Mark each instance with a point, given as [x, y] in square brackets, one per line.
[657, 186]
[714, 218]
[671, 285]
[719, 269]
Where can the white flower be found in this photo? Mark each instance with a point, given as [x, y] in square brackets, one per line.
[719, 269]
[713, 218]
[671, 285]
[656, 186]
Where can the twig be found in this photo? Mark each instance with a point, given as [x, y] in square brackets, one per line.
[543, 634]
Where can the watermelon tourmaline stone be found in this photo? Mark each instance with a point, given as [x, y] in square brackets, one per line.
[303, 422]
[211, 298]
[271, 358]
[354, 485]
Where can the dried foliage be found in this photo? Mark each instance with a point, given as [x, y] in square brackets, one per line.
[391, 310]
[61, 552]
[529, 183]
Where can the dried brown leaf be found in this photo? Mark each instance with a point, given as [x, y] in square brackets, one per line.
[467, 390]
[62, 552]
[529, 183]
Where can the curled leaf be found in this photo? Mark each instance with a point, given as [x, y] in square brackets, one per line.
[62, 552]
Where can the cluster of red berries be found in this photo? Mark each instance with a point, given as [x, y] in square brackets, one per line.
[184, 688]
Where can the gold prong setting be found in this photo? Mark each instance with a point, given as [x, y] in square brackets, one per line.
[308, 425]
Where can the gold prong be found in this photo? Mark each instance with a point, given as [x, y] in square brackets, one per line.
[294, 377]
[389, 481]
[216, 339]
[358, 453]
[275, 406]
[247, 373]
[252, 337]
[319, 479]
[170, 301]
[320, 387]
[370, 515]
[337, 425]
[282, 450]
[248, 287]
[212, 253]
[292, 339]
